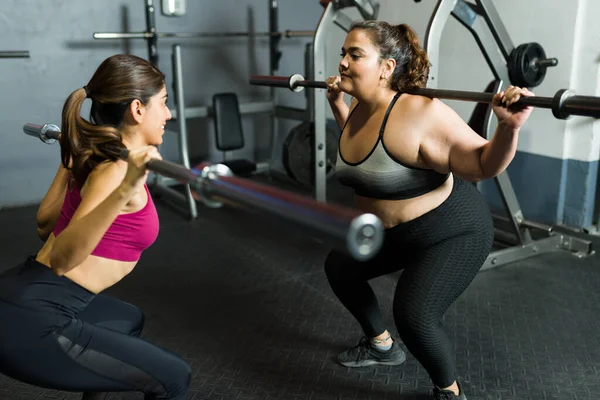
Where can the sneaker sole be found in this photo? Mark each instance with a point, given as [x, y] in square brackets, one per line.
[367, 363]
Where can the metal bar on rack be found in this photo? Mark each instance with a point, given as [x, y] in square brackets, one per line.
[14, 54]
[563, 104]
[191, 35]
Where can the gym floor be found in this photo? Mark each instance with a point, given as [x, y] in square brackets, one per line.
[249, 307]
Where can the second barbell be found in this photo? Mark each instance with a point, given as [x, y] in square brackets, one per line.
[564, 103]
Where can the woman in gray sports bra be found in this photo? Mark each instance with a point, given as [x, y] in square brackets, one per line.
[409, 160]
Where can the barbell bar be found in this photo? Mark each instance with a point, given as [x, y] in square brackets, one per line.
[564, 103]
[14, 54]
[188, 35]
[359, 234]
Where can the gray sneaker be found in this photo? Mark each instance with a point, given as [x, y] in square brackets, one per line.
[365, 354]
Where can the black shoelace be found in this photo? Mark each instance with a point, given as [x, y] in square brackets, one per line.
[363, 348]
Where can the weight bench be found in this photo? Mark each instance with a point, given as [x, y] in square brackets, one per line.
[228, 132]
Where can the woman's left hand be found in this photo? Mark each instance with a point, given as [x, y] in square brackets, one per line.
[513, 117]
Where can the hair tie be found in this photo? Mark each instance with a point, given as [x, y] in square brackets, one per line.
[87, 91]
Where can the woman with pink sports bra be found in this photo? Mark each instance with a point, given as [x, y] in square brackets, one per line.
[96, 220]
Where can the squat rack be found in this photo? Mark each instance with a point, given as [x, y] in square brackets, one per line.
[181, 113]
[483, 21]
[315, 66]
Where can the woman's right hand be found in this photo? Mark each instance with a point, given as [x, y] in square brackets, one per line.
[137, 172]
[334, 93]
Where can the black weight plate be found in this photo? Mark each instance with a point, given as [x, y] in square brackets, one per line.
[298, 157]
[522, 70]
[533, 75]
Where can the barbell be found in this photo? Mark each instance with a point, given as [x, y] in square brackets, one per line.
[359, 234]
[14, 54]
[564, 103]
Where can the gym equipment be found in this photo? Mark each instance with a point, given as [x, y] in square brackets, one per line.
[367, 8]
[188, 35]
[563, 104]
[228, 132]
[180, 114]
[315, 61]
[151, 34]
[315, 55]
[524, 65]
[315, 112]
[516, 237]
[298, 153]
[14, 54]
[361, 235]
[173, 8]
[527, 65]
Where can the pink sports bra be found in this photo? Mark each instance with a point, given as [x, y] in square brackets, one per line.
[128, 236]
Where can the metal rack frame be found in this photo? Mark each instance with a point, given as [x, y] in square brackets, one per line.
[317, 106]
[513, 233]
[315, 60]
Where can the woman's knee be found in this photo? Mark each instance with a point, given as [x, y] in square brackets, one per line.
[179, 379]
[414, 319]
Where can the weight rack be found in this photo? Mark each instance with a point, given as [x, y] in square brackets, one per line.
[514, 232]
[315, 56]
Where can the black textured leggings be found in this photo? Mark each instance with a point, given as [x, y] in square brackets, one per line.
[62, 337]
[440, 253]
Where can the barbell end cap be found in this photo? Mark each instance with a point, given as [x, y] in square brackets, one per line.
[207, 172]
[44, 133]
[292, 83]
[365, 237]
[558, 103]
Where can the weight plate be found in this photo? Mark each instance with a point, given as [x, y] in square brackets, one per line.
[522, 69]
[298, 155]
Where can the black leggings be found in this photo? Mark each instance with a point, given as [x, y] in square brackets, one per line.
[63, 337]
[440, 253]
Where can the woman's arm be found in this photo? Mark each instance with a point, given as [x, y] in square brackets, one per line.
[50, 207]
[450, 145]
[108, 190]
[102, 202]
[335, 97]
[340, 112]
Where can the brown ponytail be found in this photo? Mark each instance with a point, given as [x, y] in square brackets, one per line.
[83, 144]
[116, 83]
[417, 70]
[401, 43]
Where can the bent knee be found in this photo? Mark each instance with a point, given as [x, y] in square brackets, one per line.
[179, 382]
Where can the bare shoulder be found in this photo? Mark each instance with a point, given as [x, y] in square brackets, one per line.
[105, 176]
[429, 113]
[416, 113]
[419, 105]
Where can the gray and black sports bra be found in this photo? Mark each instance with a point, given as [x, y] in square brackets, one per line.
[380, 175]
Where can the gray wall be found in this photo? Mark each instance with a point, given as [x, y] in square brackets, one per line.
[64, 55]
